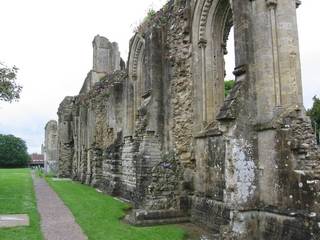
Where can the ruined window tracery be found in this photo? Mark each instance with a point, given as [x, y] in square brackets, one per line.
[214, 25]
[137, 80]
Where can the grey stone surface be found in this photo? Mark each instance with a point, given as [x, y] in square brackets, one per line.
[14, 220]
[106, 55]
[57, 222]
[51, 147]
[162, 135]
[65, 140]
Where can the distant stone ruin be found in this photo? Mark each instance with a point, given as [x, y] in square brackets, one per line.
[160, 133]
[51, 147]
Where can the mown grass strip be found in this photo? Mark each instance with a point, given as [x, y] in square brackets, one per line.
[17, 197]
[99, 215]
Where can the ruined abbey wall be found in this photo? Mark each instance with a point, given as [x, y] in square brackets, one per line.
[160, 133]
[51, 147]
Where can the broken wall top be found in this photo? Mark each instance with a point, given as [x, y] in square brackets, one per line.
[106, 55]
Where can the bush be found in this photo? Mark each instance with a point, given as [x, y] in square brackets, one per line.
[228, 85]
[13, 152]
[314, 114]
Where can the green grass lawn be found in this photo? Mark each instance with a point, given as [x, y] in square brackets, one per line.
[17, 197]
[99, 215]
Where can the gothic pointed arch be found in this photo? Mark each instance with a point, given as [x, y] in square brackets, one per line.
[211, 27]
[136, 80]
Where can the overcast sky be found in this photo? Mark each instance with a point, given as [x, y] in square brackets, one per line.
[50, 42]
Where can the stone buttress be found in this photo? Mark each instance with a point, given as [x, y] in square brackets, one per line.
[51, 147]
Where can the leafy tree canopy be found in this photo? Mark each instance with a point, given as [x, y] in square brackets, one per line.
[9, 89]
[13, 152]
[228, 85]
[314, 114]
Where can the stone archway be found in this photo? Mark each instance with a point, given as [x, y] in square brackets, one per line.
[211, 27]
[136, 81]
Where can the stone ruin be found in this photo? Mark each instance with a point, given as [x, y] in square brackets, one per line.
[50, 147]
[159, 132]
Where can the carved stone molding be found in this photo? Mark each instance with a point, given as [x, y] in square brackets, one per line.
[204, 18]
[240, 70]
[202, 43]
[272, 3]
[138, 47]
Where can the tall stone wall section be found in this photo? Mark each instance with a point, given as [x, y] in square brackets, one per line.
[51, 147]
[160, 133]
[65, 138]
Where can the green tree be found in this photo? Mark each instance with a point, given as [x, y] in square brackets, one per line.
[228, 85]
[13, 152]
[9, 89]
[314, 114]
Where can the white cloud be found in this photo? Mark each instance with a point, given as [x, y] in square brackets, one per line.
[50, 41]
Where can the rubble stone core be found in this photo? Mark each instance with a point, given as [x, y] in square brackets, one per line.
[160, 133]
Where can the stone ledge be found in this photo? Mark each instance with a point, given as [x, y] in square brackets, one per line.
[140, 217]
[214, 132]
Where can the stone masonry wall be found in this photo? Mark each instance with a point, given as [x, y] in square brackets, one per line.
[51, 147]
[65, 140]
[157, 131]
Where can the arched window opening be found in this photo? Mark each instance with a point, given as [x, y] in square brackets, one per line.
[214, 59]
[229, 59]
[139, 82]
[217, 35]
[136, 82]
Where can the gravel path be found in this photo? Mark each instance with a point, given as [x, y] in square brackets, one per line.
[57, 222]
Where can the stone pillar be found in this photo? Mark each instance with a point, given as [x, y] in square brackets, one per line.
[51, 147]
[266, 42]
[149, 157]
[129, 109]
[154, 70]
[202, 46]
[128, 176]
[266, 39]
[111, 167]
[267, 62]
[90, 140]
[77, 146]
[65, 138]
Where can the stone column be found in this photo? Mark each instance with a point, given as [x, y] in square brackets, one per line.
[51, 147]
[128, 177]
[267, 53]
[129, 109]
[65, 137]
[202, 46]
[266, 39]
[149, 157]
[154, 68]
